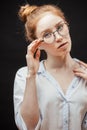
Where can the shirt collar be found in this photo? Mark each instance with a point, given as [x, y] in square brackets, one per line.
[41, 67]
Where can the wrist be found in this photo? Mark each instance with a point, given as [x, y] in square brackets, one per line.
[30, 75]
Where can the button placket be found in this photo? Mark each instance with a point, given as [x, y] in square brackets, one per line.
[66, 115]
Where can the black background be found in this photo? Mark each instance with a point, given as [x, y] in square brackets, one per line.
[13, 47]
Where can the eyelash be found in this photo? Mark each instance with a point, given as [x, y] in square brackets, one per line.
[48, 33]
[59, 27]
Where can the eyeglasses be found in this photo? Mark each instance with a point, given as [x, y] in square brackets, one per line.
[62, 30]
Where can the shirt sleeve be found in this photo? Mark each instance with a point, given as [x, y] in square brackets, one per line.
[84, 124]
[18, 93]
[19, 87]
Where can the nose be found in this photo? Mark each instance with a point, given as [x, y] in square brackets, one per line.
[58, 37]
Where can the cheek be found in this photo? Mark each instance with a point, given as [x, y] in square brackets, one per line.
[45, 46]
[70, 42]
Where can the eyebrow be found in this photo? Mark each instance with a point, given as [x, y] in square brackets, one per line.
[49, 30]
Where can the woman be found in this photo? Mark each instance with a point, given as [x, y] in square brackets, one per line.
[50, 94]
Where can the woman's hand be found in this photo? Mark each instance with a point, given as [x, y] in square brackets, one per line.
[82, 70]
[32, 57]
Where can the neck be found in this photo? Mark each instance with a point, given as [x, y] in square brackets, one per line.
[59, 62]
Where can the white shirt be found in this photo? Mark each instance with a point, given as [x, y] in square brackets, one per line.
[57, 111]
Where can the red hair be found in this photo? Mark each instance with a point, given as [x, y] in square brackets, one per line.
[31, 14]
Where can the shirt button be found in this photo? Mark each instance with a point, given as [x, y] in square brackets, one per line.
[66, 121]
[73, 86]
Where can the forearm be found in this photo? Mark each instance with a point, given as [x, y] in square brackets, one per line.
[29, 106]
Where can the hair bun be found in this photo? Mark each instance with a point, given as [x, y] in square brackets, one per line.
[25, 11]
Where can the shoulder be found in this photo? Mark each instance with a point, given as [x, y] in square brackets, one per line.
[22, 72]
[76, 59]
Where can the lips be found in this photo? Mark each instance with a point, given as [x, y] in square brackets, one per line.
[63, 44]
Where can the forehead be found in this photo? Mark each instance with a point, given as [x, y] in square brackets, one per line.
[48, 20]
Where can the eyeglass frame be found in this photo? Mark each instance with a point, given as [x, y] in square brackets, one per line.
[56, 31]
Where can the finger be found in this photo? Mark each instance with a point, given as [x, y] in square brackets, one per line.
[79, 70]
[33, 46]
[82, 72]
[82, 63]
[29, 60]
[83, 75]
[37, 56]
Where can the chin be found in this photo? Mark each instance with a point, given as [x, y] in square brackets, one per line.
[65, 52]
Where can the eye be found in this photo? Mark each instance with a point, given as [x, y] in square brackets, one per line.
[47, 35]
[60, 27]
